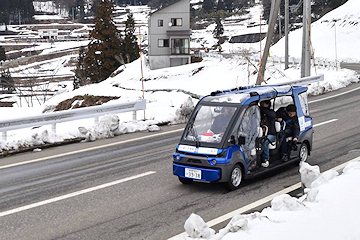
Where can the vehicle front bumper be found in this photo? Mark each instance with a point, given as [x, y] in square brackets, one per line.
[207, 174]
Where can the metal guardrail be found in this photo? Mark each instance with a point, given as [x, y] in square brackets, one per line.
[294, 61]
[297, 61]
[69, 115]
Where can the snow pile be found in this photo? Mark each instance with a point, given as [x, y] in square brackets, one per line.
[110, 126]
[197, 228]
[35, 139]
[308, 173]
[183, 113]
[315, 215]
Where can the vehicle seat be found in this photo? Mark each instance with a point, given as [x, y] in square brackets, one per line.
[272, 145]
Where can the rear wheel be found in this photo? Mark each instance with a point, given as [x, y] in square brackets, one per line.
[304, 152]
[235, 177]
[185, 180]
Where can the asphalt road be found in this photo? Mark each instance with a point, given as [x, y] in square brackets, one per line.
[142, 199]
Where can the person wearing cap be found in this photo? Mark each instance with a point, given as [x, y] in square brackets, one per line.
[292, 128]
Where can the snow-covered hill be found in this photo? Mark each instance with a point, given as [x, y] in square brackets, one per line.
[342, 24]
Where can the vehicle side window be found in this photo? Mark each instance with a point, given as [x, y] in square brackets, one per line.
[304, 103]
[249, 129]
[283, 102]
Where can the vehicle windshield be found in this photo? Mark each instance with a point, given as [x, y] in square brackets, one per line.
[209, 124]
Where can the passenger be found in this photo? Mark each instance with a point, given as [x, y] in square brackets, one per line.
[268, 117]
[221, 121]
[292, 129]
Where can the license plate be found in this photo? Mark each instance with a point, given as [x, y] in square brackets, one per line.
[192, 173]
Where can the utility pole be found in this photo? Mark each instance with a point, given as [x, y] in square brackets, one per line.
[279, 25]
[275, 6]
[286, 34]
[336, 62]
[306, 55]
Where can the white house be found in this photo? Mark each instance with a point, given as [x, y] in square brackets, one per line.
[48, 33]
[169, 35]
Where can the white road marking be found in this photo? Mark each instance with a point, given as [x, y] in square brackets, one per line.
[326, 98]
[326, 122]
[88, 149]
[259, 202]
[74, 194]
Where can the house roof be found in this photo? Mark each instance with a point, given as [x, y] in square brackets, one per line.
[165, 5]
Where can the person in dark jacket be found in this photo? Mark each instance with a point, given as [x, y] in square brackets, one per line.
[221, 121]
[292, 129]
[268, 117]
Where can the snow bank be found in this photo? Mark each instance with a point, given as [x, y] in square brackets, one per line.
[108, 127]
[328, 204]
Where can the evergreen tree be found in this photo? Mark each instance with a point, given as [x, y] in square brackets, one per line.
[2, 54]
[208, 6]
[81, 78]
[5, 11]
[80, 4]
[105, 44]
[220, 5]
[6, 81]
[130, 49]
[229, 5]
[21, 11]
[219, 30]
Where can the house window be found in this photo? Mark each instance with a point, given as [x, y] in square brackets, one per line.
[180, 46]
[176, 21]
[163, 43]
[160, 23]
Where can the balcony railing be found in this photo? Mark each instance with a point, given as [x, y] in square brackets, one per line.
[180, 50]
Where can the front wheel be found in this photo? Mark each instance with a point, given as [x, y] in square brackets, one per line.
[304, 152]
[235, 177]
[185, 180]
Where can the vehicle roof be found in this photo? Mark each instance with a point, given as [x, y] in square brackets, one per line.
[252, 93]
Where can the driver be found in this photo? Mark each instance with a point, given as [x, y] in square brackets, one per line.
[221, 121]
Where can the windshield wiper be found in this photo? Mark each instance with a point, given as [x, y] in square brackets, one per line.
[194, 133]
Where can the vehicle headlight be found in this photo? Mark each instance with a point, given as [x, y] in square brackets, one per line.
[177, 157]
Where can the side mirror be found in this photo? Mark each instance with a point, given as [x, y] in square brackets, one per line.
[241, 140]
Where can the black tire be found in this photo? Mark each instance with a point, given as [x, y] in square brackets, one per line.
[185, 180]
[235, 178]
[303, 152]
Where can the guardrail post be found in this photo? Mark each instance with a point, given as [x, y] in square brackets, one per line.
[134, 115]
[3, 136]
[53, 128]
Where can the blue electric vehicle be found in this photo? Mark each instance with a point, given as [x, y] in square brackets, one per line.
[222, 139]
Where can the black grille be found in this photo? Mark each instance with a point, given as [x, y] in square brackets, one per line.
[194, 160]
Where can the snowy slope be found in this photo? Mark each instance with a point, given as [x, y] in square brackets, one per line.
[323, 35]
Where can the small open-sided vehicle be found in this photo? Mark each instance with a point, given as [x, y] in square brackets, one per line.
[227, 148]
